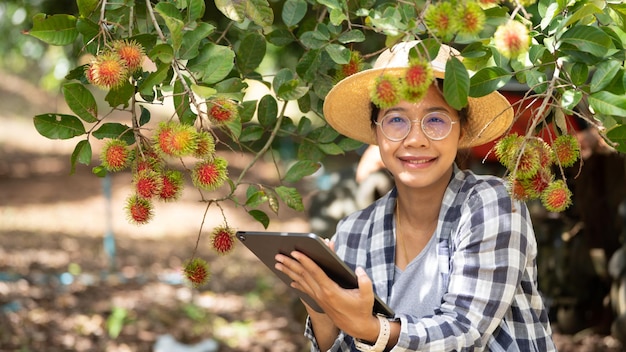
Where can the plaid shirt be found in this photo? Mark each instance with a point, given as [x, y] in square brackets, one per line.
[486, 251]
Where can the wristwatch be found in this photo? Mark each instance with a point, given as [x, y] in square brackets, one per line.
[381, 341]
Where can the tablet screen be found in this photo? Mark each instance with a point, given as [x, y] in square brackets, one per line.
[265, 245]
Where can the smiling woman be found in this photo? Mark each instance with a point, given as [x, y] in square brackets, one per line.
[437, 216]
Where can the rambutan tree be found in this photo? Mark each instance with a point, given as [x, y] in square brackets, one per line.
[203, 56]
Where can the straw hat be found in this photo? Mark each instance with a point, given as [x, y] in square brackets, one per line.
[347, 106]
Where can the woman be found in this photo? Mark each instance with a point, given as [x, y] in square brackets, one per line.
[448, 250]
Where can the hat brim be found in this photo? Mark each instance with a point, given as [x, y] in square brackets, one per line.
[347, 108]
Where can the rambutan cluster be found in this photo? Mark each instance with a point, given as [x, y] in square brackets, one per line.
[445, 19]
[388, 89]
[530, 162]
[112, 66]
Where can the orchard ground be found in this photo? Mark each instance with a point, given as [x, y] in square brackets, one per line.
[60, 291]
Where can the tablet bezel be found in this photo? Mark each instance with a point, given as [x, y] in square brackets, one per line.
[266, 244]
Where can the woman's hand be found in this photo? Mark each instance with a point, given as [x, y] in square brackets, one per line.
[349, 309]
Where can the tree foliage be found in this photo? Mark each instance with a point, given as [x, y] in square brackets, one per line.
[572, 63]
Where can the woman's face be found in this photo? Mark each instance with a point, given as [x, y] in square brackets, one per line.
[418, 161]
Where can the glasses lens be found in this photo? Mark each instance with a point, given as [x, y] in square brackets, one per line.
[436, 125]
[395, 127]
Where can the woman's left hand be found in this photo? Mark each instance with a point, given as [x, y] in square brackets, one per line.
[349, 309]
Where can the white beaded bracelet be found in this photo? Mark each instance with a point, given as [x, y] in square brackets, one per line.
[381, 341]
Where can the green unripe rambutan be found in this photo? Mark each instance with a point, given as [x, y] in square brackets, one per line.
[196, 272]
[566, 150]
[385, 92]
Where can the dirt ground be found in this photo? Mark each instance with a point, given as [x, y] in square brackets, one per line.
[61, 291]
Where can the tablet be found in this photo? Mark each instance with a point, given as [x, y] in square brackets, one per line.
[265, 245]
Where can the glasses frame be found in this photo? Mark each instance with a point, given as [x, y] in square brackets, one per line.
[421, 123]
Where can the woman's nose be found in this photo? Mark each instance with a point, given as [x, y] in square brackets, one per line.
[416, 136]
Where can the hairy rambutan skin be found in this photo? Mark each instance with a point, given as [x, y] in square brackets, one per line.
[518, 190]
[196, 272]
[139, 209]
[223, 239]
[543, 149]
[385, 92]
[556, 197]
[418, 78]
[148, 160]
[538, 183]
[526, 162]
[505, 148]
[205, 145]
[107, 70]
[116, 155]
[131, 52]
[440, 19]
[512, 39]
[221, 110]
[566, 150]
[171, 185]
[470, 18]
[175, 139]
[353, 66]
[147, 183]
[210, 174]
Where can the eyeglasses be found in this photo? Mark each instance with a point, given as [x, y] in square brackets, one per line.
[435, 125]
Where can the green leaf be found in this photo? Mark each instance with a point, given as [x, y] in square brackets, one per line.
[309, 151]
[173, 21]
[163, 53]
[260, 217]
[251, 133]
[588, 39]
[235, 127]
[330, 148]
[267, 111]
[352, 36]
[115, 130]
[82, 154]
[234, 10]
[213, 63]
[58, 126]
[608, 103]
[571, 98]
[251, 52]
[604, 74]
[456, 84]
[338, 53]
[87, 7]
[578, 73]
[293, 12]
[81, 101]
[120, 95]
[280, 37]
[618, 135]
[195, 10]
[192, 40]
[488, 80]
[99, 171]
[260, 12]
[54, 30]
[255, 198]
[247, 110]
[144, 118]
[203, 91]
[301, 169]
[291, 197]
[154, 79]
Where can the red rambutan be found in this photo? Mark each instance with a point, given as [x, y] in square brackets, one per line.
[131, 52]
[147, 183]
[210, 174]
[172, 185]
[115, 155]
[556, 197]
[139, 209]
[566, 150]
[196, 272]
[385, 92]
[223, 239]
[107, 70]
[221, 110]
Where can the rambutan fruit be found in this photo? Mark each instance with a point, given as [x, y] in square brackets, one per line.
[512, 39]
[147, 183]
[171, 185]
[175, 139]
[139, 209]
[353, 66]
[441, 20]
[210, 174]
[470, 18]
[116, 155]
[385, 92]
[148, 160]
[543, 149]
[486, 4]
[526, 162]
[107, 70]
[131, 52]
[517, 189]
[419, 76]
[205, 145]
[566, 150]
[223, 239]
[221, 110]
[556, 197]
[538, 183]
[196, 272]
[506, 148]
